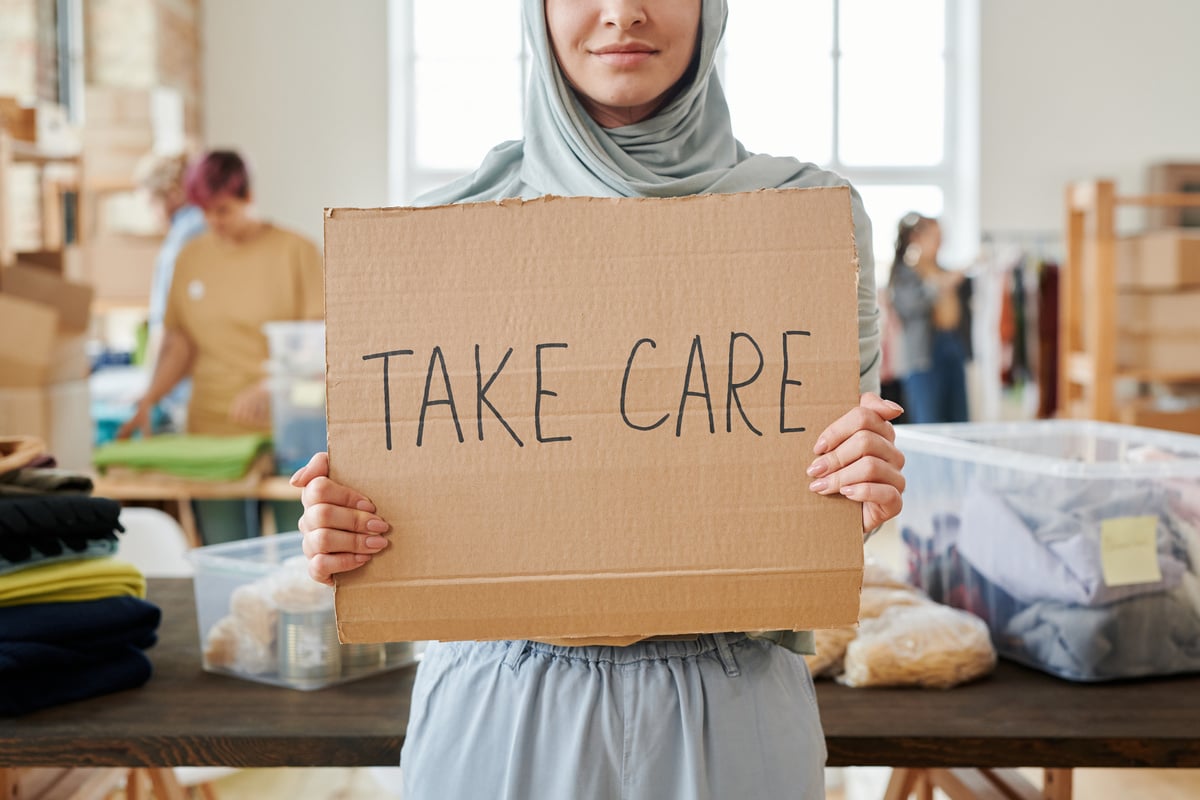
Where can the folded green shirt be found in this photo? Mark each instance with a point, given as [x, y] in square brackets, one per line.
[214, 458]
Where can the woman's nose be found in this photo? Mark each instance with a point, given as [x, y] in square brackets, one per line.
[623, 14]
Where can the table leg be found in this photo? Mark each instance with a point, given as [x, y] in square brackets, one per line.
[187, 521]
[8, 783]
[902, 783]
[166, 785]
[925, 786]
[1057, 784]
[135, 785]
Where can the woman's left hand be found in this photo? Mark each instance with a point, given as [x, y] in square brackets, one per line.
[252, 407]
[857, 458]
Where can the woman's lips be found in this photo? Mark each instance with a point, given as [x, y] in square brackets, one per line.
[624, 58]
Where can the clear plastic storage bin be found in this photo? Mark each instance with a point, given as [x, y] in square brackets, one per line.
[297, 379]
[263, 619]
[1077, 542]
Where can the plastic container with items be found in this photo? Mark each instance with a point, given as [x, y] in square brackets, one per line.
[1077, 542]
[263, 619]
[297, 378]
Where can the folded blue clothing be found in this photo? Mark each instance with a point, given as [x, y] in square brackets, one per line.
[30, 690]
[54, 653]
[88, 626]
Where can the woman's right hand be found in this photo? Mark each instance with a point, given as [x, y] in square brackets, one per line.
[340, 526]
[140, 421]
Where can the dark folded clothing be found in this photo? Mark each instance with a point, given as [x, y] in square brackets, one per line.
[23, 692]
[88, 626]
[33, 527]
[53, 653]
[37, 480]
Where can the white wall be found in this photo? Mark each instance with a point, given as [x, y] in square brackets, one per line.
[300, 88]
[1075, 89]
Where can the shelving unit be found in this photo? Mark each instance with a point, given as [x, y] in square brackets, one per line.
[14, 152]
[1088, 304]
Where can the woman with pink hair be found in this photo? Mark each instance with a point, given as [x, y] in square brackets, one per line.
[228, 282]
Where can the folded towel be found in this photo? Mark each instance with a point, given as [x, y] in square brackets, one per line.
[43, 528]
[89, 627]
[127, 668]
[52, 653]
[71, 581]
[216, 458]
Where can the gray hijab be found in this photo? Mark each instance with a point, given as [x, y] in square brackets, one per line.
[686, 148]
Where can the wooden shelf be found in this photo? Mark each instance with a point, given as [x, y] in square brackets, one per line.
[1088, 314]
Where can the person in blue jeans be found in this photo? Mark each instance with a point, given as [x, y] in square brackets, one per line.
[927, 298]
[624, 101]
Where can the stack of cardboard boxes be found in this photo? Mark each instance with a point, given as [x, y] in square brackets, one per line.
[123, 126]
[44, 362]
[1158, 319]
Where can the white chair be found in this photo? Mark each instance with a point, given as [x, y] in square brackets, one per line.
[156, 544]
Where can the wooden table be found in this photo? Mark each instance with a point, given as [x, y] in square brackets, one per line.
[257, 485]
[184, 716]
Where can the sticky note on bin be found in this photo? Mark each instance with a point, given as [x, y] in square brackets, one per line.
[1129, 551]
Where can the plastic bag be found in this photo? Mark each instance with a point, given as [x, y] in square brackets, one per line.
[926, 644]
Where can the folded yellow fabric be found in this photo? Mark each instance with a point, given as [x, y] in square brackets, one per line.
[72, 581]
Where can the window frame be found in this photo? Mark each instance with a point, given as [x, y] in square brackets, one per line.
[957, 175]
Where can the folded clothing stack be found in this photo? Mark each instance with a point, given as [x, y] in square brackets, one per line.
[73, 621]
[194, 457]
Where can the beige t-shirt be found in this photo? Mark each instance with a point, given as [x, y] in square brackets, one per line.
[221, 295]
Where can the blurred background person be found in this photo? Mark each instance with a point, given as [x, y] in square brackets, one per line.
[228, 281]
[927, 299]
[161, 177]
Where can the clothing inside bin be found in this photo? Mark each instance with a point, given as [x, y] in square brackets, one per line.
[1044, 598]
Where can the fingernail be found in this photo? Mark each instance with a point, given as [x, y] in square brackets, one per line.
[820, 446]
[366, 505]
[296, 474]
[818, 486]
[375, 542]
[850, 491]
[893, 406]
[817, 469]
[362, 558]
[377, 526]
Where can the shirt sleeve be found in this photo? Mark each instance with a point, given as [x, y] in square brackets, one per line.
[173, 312]
[868, 303]
[311, 283]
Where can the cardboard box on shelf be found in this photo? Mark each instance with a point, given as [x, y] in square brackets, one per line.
[591, 417]
[19, 121]
[1171, 178]
[1144, 413]
[1162, 259]
[122, 126]
[43, 328]
[57, 413]
[1165, 354]
[120, 269]
[1170, 313]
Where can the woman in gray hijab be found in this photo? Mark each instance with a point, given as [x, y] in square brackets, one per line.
[624, 102]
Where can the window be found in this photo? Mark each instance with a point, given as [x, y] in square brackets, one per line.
[869, 89]
[878, 91]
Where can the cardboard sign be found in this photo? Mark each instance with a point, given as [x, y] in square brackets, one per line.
[592, 417]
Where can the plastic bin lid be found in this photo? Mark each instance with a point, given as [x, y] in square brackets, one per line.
[1065, 448]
